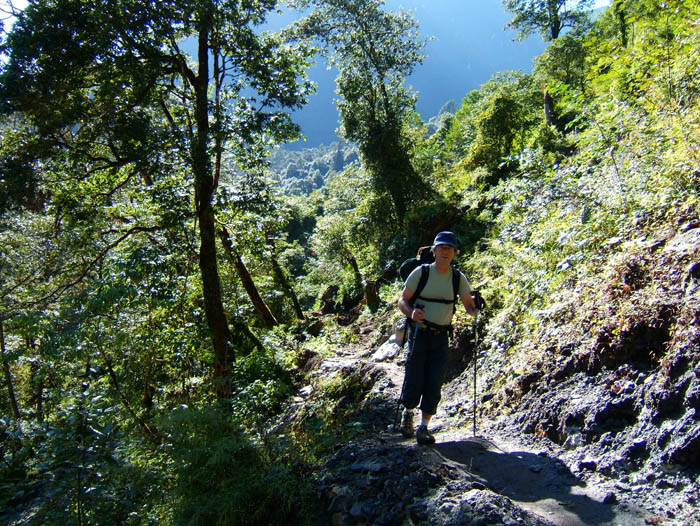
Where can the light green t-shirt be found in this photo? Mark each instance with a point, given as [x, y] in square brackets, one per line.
[439, 285]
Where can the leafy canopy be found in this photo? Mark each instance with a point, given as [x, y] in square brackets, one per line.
[546, 17]
[374, 51]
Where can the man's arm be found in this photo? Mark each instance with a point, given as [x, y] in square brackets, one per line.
[468, 303]
[405, 306]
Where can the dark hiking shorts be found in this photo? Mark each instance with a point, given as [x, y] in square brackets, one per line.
[426, 367]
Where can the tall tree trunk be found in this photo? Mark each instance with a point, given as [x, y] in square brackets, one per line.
[355, 269]
[548, 108]
[621, 16]
[37, 384]
[554, 19]
[205, 187]
[372, 299]
[281, 278]
[38, 387]
[258, 303]
[8, 375]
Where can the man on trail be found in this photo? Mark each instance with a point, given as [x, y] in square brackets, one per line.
[432, 311]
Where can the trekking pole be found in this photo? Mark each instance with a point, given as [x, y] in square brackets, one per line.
[403, 385]
[476, 342]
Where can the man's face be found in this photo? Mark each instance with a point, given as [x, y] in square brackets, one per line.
[445, 252]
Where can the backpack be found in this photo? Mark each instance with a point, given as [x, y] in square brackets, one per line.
[424, 256]
[407, 267]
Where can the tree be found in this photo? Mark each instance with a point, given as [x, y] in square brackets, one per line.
[246, 279]
[499, 123]
[374, 52]
[564, 62]
[547, 17]
[620, 10]
[493, 121]
[110, 92]
[461, 132]
[8, 374]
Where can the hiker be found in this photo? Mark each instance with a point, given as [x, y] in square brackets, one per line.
[432, 311]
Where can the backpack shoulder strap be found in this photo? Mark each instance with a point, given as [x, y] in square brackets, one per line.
[425, 273]
[455, 286]
[455, 282]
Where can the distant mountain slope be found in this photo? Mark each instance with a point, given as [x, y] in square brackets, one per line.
[300, 172]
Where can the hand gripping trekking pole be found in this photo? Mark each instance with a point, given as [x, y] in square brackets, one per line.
[408, 357]
[476, 342]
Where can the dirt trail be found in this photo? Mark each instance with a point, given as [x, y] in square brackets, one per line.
[535, 479]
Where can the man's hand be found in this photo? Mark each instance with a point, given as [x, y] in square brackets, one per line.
[479, 302]
[417, 314]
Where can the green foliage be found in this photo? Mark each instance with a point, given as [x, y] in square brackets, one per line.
[107, 344]
[493, 124]
[647, 64]
[460, 133]
[260, 384]
[547, 18]
[498, 124]
[563, 62]
[347, 239]
[223, 479]
[327, 420]
[73, 470]
[129, 107]
[374, 51]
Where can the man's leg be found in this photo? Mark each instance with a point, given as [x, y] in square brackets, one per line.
[435, 370]
[414, 372]
[413, 382]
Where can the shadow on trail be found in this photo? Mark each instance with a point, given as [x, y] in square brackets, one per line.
[537, 482]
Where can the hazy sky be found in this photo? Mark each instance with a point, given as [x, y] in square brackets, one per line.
[469, 45]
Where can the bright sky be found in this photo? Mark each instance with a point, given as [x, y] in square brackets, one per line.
[5, 12]
[21, 4]
[18, 4]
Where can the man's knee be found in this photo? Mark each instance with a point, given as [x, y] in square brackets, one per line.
[410, 398]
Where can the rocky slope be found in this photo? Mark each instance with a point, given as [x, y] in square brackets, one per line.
[592, 421]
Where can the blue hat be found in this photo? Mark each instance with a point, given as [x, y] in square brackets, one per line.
[446, 238]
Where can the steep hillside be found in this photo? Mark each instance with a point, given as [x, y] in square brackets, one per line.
[301, 172]
[591, 419]
[587, 365]
[611, 375]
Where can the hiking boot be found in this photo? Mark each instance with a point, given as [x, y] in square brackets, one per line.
[423, 436]
[407, 423]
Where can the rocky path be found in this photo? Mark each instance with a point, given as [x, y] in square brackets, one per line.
[537, 482]
[488, 479]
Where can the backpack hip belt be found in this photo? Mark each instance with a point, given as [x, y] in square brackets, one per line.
[433, 328]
